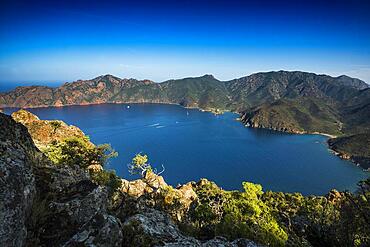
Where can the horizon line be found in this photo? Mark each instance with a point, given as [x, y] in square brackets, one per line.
[174, 78]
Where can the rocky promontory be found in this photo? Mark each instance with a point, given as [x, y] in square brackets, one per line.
[354, 147]
[44, 132]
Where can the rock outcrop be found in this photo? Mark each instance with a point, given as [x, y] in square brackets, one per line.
[42, 204]
[43, 132]
[18, 155]
[155, 228]
[139, 187]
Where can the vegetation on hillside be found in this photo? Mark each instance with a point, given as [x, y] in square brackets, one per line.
[354, 147]
[296, 116]
[235, 214]
[280, 219]
[269, 218]
[75, 151]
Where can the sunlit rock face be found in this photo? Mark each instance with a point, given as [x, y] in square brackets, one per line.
[99, 90]
[44, 204]
[43, 132]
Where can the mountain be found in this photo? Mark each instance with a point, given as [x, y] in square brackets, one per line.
[295, 101]
[204, 92]
[95, 91]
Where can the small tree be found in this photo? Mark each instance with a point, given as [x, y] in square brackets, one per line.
[140, 166]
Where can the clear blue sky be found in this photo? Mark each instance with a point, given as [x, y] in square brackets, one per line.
[57, 41]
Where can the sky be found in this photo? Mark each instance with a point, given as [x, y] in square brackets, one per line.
[59, 41]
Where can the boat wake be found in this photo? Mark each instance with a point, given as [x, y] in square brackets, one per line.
[153, 125]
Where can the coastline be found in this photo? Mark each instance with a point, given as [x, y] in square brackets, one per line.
[323, 134]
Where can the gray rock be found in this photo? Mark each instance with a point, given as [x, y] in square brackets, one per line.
[155, 228]
[17, 182]
[102, 230]
[46, 205]
[76, 212]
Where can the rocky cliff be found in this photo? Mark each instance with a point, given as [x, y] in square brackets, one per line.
[45, 205]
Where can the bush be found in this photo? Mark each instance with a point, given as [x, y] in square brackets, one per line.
[78, 151]
[235, 214]
[107, 178]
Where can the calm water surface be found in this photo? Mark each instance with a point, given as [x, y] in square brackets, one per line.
[193, 145]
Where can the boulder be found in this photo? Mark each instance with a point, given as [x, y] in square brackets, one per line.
[136, 188]
[102, 230]
[155, 228]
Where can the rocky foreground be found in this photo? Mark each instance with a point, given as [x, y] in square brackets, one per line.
[47, 205]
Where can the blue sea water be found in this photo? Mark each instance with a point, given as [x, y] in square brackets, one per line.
[191, 144]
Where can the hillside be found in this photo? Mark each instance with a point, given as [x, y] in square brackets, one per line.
[295, 116]
[354, 147]
[297, 102]
[61, 202]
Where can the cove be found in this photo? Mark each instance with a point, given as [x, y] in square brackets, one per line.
[191, 144]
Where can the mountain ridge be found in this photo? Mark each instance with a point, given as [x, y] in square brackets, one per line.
[236, 89]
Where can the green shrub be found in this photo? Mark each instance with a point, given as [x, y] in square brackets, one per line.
[78, 151]
[107, 178]
[235, 214]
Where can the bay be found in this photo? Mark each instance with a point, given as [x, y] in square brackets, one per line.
[192, 144]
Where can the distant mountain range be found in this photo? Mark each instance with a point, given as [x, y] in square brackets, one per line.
[297, 102]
